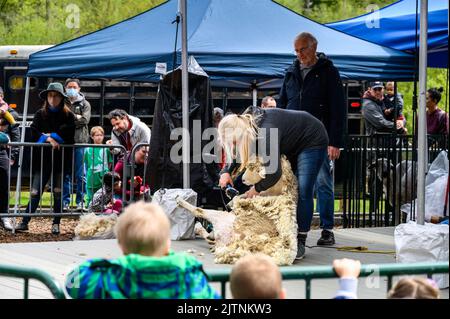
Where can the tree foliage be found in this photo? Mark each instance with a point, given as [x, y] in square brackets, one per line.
[56, 21]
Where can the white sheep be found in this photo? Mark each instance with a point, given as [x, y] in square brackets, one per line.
[286, 185]
[264, 224]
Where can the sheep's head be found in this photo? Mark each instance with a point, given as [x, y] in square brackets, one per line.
[382, 166]
[254, 172]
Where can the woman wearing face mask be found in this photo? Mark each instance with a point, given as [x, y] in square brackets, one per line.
[54, 123]
[82, 110]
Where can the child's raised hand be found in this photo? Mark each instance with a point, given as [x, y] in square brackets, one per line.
[347, 268]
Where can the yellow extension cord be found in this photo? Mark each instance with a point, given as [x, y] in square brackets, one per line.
[357, 249]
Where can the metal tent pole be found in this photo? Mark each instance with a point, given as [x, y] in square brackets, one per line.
[422, 122]
[185, 94]
[22, 140]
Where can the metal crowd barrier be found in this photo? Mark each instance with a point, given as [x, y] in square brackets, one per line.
[309, 273]
[28, 274]
[380, 176]
[31, 150]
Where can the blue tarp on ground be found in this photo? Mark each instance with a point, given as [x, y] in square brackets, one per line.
[397, 28]
[237, 42]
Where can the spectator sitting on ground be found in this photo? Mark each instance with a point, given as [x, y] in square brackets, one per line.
[256, 277]
[104, 200]
[140, 158]
[406, 288]
[268, 102]
[98, 161]
[148, 269]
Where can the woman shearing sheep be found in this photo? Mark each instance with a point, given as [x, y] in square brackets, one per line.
[271, 133]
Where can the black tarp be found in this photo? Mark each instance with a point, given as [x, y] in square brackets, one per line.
[163, 172]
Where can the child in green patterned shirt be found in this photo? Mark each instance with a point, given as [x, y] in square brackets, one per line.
[148, 268]
[98, 161]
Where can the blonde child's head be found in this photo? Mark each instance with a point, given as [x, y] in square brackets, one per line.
[97, 134]
[414, 288]
[256, 277]
[144, 229]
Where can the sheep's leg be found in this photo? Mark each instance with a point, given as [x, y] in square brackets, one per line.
[200, 230]
[196, 211]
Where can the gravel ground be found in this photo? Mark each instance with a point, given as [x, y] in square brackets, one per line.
[40, 231]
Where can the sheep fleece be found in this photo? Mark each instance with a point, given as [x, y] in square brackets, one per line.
[263, 224]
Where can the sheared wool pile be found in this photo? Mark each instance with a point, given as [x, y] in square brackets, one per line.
[92, 226]
[263, 224]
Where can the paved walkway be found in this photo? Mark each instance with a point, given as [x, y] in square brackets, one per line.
[58, 258]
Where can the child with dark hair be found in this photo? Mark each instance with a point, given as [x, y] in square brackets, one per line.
[437, 119]
[103, 200]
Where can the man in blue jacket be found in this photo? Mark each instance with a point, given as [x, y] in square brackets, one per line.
[313, 84]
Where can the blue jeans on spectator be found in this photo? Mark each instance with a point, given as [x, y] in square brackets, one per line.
[79, 176]
[309, 162]
[325, 195]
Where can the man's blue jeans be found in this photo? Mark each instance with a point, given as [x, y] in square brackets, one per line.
[79, 176]
[325, 195]
[309, 163]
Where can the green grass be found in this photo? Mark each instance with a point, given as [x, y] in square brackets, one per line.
[45, 202]
[25, 197]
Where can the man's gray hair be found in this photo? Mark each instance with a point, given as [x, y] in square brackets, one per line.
[306, 35]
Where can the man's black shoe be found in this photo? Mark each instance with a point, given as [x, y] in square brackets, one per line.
[326, 239]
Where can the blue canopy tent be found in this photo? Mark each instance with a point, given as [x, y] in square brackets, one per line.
[397, 28]
[231, 40]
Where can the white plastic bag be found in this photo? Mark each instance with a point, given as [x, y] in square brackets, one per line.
[435, 189]
[438, 168]
[182, 222]
[423, 243]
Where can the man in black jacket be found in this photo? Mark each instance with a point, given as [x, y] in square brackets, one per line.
[313, 84]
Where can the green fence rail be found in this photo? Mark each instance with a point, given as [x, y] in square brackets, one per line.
[222, 275]
[28, 274]
[309, 273]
